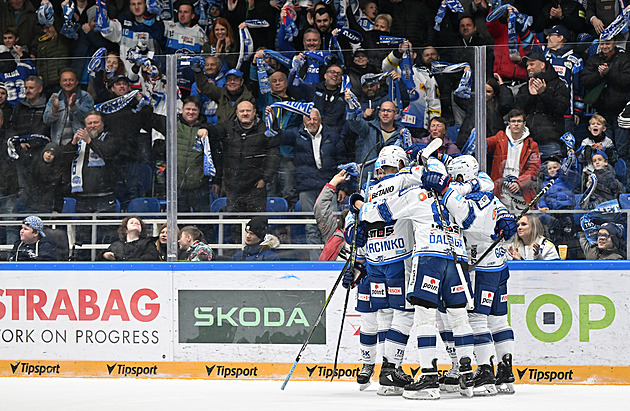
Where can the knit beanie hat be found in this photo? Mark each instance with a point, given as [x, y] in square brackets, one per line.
[258, 226]
[615, 233]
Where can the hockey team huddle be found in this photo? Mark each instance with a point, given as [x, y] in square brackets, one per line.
[420, 228]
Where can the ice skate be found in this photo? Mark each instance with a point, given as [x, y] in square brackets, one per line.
[484, 381]
[465, 377]
[364, 379]
[449, 382]
[426, 388]
[392, 379]
[505, 378]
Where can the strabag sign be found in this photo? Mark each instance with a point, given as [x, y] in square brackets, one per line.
[250, 316]
[85, 316]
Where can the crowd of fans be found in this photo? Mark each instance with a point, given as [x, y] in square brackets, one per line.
[83, 104]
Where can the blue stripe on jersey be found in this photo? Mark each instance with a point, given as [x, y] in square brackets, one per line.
[427, 342]
[385, 213]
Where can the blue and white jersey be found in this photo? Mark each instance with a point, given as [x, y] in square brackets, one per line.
[14, 81]
[419, 206]
[180, 38]
[387, 241]
[477, 236]
[568, 65]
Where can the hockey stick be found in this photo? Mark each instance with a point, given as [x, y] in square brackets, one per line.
[353, 254]
[334, 288]
[319, 317]
[529, 207]
[470, 304]
[345, 304]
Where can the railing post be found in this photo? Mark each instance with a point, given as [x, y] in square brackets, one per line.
[171, 157]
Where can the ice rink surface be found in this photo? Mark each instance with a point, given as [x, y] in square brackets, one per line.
[71, 394]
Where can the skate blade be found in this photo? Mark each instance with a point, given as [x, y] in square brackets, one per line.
[362, 387]
[505, 388]
[426, 394]
[466, 392]
[486, 390]
[449, 388]
[388, 391]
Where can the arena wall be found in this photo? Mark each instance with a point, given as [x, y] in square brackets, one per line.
[249, 321]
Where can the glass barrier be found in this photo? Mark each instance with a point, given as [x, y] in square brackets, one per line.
[183, 140]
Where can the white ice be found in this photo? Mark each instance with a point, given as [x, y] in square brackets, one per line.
[94, 394]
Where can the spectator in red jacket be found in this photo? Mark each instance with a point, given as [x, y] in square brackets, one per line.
[515, 163]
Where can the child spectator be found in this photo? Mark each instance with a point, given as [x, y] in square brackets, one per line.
[133, 243]
[192, 241]
[609, 240]
[601, 185]
[258, 244]
[597, 140]
[44, 190]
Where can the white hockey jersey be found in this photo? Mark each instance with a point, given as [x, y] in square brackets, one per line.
[477, 236]
[418, 205]
[386, 243]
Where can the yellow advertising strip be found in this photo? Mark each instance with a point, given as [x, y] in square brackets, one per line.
[530, 374]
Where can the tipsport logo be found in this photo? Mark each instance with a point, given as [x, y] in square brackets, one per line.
[125, 370]
[31, 369]
[232, 372]
[545, 376]
[326, 372]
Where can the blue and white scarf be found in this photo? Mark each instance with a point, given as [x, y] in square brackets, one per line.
[208, 164]
[101, 19]
[247, 47]
[97, 62]
[454, 5]
[394, 95]
[76, 170]
[299, 107]
[465, 83]
[406, 71]
[407, 141]
[351, 168]
[523, 19]
[342, 19]
[335, 49]
[296, 64]
[392, 41]
[153, 7]
[290, 28]
[569, 140]
[34, 140]
[70, 28]
[618, 25]
[471, 144]
[370, 79]
[116, 104]
[263, 79]
[256, 24]
[45, 14]
[286, 62]
[323, 58]
[353, 104]
[353, 37]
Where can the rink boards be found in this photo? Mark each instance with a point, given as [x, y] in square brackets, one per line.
[249, 321]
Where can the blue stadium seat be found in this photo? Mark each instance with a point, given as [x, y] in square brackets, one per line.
[624, 201]
[277, 205]
[621, 172]
[69, 205]
[144, 205]
[298, 232]
[145, 179]
[452, 133]
[218, 204]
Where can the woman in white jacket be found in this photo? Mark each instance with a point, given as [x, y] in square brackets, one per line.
[529, 242]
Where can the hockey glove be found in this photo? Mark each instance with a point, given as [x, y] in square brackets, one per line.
[353, 275]
[505, 227]
[354, 198]
[432, 180]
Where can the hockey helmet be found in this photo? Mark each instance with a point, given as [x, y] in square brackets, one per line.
[466, 166]
[391, 156]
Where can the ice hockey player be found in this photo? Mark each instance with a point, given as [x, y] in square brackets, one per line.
[434, 278]
[385, 314]
[489, 317]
